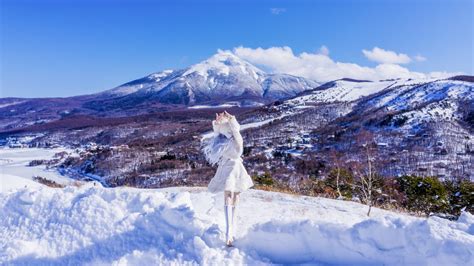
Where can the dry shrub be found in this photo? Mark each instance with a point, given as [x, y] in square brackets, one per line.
[47, 182]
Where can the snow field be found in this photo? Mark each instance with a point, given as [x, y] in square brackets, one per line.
[15, 172]
[127, 226]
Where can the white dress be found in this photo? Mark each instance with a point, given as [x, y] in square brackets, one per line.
[225, 148]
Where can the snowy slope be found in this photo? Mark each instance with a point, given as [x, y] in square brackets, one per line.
[426, 102]
[120, 226]
[223, 76]
[342, 91]
[348, 90]
[139, 84]
[14, 172]
[409, 96]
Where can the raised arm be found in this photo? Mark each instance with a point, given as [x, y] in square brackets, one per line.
[238, 143]
[214, 126]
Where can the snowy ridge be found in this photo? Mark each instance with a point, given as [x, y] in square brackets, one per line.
[154, 81]
[426, 102]
[348, 90]
[91, 224]
[405, 97]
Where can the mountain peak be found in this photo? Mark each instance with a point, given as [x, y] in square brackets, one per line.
[224, 62]
[225, 55]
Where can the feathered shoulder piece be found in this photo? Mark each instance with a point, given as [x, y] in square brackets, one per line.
[214, 146]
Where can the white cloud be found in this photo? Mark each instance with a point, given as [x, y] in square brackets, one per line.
[380, 55]
[420, 58]
[319, 66]
[277, 10]
[324, 50]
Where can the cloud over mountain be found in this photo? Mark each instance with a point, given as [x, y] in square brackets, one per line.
[380, 55]
[320, 66]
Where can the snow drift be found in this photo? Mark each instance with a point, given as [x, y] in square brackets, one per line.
[96, 225]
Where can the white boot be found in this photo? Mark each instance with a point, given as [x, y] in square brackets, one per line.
[229, 236]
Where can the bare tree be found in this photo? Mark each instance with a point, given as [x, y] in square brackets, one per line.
[337, 161]
[365, 169]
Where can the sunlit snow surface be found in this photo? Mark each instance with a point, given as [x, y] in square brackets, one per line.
[347, 90]
[126, 226]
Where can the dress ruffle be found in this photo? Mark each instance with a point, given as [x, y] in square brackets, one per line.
[230, 176]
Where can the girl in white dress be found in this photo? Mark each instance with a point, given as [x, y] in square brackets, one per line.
[225, 148]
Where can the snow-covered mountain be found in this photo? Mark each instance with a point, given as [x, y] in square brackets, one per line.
[428, 98]
[222, 77]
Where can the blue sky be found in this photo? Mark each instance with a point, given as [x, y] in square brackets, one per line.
[65, 48]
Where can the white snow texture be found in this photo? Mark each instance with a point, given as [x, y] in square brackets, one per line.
[126, 226]
[92, 225]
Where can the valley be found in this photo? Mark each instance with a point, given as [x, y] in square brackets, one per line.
[297, 133]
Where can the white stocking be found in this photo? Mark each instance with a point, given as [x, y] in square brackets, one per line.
[228, 212]
[228, 221]
[235, 200]
[230, 202]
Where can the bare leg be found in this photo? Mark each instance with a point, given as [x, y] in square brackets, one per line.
[228, 198]
[235, 199]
